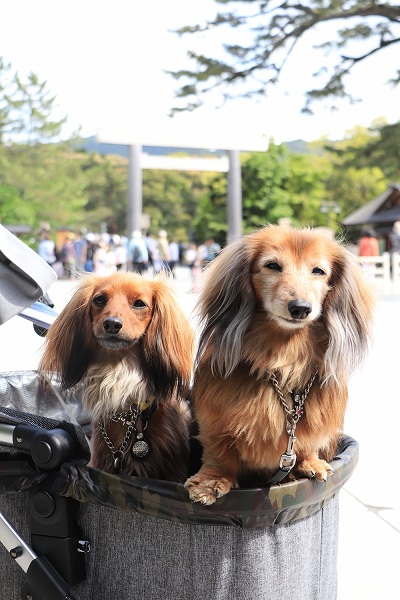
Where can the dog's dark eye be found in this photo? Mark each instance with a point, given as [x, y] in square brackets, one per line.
[100, 300]
[273, 266]
[318, 271]
[139, 304]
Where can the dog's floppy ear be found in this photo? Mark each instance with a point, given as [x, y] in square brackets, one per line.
[69, 342]
[226, 306]
[168, 344]
[348, 313]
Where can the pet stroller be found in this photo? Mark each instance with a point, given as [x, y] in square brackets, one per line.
[69, 529]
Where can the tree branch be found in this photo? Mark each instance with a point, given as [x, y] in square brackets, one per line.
[284, 26]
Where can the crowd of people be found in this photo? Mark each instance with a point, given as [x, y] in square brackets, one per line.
[106, 253]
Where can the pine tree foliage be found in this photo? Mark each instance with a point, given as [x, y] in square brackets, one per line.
[5, 106]
[270, 32]
[26, 108]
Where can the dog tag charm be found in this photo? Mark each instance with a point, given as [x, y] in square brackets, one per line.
[140, 448]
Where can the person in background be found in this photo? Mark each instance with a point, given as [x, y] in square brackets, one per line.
[213, 248]
[80, 251]
[155, 260]
[120, 253]
[151, 245]
[202, 254]
[47, 248]
[173, 255]
[67, 257]
[193, 259]
[191, 255]
[91, 249]
[110, 260]
[368, 244]
[101, 256]
[138, 256]
[163, 248]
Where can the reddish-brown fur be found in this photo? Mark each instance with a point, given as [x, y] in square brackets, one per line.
[249, 332]
[128, 341]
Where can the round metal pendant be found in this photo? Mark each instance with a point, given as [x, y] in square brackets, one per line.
[140, 448]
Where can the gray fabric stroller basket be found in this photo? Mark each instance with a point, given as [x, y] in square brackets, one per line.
[147, 540]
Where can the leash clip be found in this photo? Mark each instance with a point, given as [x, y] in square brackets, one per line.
[288, 459]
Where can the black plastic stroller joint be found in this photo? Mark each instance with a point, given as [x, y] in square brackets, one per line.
[49, 449]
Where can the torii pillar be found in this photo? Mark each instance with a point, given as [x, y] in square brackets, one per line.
[234, 198]
[135, 184]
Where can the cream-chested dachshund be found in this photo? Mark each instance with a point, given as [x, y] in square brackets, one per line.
[126, 339]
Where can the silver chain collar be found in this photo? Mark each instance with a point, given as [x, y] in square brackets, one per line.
[288, 458]
[141, 447]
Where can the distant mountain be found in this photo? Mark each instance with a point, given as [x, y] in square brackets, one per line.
[91, 144]
[298, 147]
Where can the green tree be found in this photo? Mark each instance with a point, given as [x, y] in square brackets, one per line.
[278, 184]
[173, 200]
[49, 181]
[352, 187]
[351, 182]
[382, 148]
[5, 106]
[105, 189]
[269, 32]
[265, 197]
[31, 110]
[306, 185]
[211, 216]
[13, 208]
[26, 108]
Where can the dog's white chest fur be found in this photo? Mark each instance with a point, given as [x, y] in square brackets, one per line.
[110, 388]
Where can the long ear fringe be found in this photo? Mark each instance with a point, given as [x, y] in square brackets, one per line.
[168, 345]
[226, 307]
[68, 345]
[348, 312]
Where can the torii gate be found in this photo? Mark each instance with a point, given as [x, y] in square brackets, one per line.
[139, 161]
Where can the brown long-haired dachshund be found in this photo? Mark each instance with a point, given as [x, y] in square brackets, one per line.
[286, 319]
[128, 341]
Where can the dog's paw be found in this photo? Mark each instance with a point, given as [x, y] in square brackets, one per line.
[206, 491]
[314, 468]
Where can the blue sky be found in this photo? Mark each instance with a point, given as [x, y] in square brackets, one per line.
[105, 61]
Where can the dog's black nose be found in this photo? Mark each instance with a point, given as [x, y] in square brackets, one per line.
[299, 309]
[112, 324]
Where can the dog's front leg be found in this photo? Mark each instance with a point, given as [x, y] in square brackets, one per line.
[313, 467]
[209, 484]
